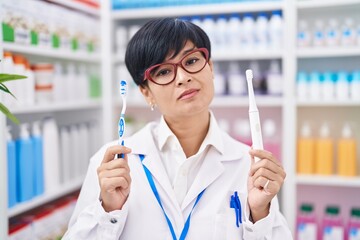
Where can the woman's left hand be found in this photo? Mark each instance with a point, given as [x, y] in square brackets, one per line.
[265, 180]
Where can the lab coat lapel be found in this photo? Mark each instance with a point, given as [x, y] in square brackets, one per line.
[209, 171]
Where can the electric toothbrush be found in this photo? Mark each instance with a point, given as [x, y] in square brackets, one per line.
[121, 124]
[256, 136]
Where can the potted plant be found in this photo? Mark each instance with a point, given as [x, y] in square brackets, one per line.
[4, 77]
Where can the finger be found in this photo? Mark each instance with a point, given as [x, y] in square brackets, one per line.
[267, 164]
[263, 172]
[113, 150]
[118, 172]
[111, 184]
[263, 154]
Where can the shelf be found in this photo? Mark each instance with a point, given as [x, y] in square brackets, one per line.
[309, 4]
[191, 10]
[328, 180]
[261, 101]
[328, 52]
[57, 107]
[329, 103]
[82, 7]
[52, 53]
[40, 200]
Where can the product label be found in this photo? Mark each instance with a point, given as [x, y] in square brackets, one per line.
[306, 231]
[333, 233]
[354, 233]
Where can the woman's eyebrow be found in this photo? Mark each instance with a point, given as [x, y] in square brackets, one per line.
[183, 53]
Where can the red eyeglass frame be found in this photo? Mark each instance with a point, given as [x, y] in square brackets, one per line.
[147, 71]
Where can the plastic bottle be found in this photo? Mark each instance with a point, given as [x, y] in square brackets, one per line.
[70, 79]
[271, 138]
[346, 150]
[328, 86]
[306, 223]
[37, 141]
[221, 33]
[342, 86]
[29, 85]
[315, 86]
[219, 80]
[259, 82]
[306, 151]
[242, 131]
[236, 80]
[51, 155]
[348, 36]
[276, 30]
[58, 83]
[83, 83]
[20, 89]
[248, 40]
[261, 32]
[196, 20]
[353, 229]
[355, 86]
[303, 35]
[318, 33]
[67, 172]
[332, 227]
[234, 29]
[302, 86]
[332, 35]
[274, 79]
[25, 162]
[85, 147]
[8, 67]
[11, 173]
[208, 25]
[324, 153]
[75, 150]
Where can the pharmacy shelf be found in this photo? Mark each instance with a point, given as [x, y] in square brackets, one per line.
[261, 101]
[52, 53]
[57, 107]
[328, 52]
[331, 180]
[40, 200]
[76, 5]
[191, 10]
[328, 103]
[310, 4]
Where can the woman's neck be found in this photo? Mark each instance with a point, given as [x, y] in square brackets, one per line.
[190, 132]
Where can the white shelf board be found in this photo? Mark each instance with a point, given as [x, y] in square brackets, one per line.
[40, 200]
[57, 107]
[52, 53]
[309, 4]
[328, 52]
[82, 7]
[190, 10]
[328, 103]
[332, 180]
[261, 101]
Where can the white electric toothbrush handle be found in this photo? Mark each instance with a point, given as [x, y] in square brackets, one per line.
[256, 135]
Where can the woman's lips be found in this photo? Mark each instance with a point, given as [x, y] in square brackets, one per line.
[188, 94]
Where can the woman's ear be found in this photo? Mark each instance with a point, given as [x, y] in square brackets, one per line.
[211, 64]
[146, 92]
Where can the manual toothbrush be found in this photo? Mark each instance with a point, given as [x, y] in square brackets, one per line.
[121, 125]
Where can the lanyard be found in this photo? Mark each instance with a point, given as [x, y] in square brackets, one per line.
[156, 193]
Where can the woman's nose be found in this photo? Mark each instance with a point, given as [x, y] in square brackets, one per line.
[182, 77]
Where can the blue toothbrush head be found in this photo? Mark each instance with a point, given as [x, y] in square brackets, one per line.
[123, 87]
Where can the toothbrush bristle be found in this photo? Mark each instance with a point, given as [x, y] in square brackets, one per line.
[249, 74]
[123, 87]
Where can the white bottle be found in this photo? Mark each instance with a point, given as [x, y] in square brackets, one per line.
[236, 81]
[248, 37]
[302, 86]
[276, 30]
[221, 34]
[83, 83]
[314, 86]
[258, 77]
[196, 20]
[242, 131]
[355, 86]
[261, 32]
[318, 33]
[235, 32]
[51, 155]
[8, 67]
[342, 86]
[219, 80]
[271, 137]
[84, 149]
[59, 83]
[274, 79]
[70, 80]
[208, 25]
[20, 88]
[332, 36]
[348, 32]
[121, 40]
[328, 86]
[29, 85]
[303, 35]
[67, 170]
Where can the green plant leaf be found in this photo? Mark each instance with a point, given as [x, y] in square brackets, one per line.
[8, 113]
[4, 77]
[5, 89]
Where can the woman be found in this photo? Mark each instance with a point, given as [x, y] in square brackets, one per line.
[183, 167]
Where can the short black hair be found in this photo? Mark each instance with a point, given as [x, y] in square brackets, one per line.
[156, 40]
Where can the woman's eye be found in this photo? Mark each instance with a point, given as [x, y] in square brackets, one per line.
[191, 61]
[163, 72]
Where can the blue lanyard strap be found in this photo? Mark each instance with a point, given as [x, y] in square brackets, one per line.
[156, 193]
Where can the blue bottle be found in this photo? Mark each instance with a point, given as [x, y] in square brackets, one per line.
[11, 165]
[24, 163]
[37, 141]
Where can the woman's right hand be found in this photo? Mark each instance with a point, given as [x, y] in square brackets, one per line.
[114, 178]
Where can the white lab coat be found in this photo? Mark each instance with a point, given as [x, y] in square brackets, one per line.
[142, 217]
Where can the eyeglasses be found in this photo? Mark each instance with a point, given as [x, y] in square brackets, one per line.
[165, 73]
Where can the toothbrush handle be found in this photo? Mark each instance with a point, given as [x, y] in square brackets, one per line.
[120, 155]
[256, 136]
